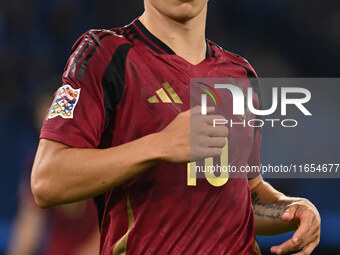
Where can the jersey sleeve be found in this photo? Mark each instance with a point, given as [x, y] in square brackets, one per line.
[77, 115]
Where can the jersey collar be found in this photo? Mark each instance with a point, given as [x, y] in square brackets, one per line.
[143, 34]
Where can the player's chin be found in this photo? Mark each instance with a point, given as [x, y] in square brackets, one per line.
[186, 10]
[193, 2]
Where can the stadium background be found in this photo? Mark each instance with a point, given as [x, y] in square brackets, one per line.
[280, 39]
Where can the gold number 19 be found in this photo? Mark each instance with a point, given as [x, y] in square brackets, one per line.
[214, 180]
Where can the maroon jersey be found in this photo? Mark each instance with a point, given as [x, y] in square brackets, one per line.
[122, 84]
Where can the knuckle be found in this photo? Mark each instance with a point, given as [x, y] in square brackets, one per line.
[201, 151]
[307, 214]
[205, 129]
[310, 211]
[317, 227]
[222, 142]
[224, 131]
[297, 246]
[218, 152]
[220, 131]
[318, 224]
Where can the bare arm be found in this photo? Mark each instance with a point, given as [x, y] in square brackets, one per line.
[269, 206]
[276, 213]
[62, 174]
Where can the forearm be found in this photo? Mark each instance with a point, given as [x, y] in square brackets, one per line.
[62, 174]
[269, 206]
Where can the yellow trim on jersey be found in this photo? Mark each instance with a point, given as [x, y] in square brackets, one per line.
[121, 246]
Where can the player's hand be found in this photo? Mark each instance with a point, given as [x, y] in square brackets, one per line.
[192, 136]
[307, 235]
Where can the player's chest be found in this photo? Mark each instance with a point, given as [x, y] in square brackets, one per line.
[157, 91]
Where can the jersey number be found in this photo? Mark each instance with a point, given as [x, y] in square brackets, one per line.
[214, 180]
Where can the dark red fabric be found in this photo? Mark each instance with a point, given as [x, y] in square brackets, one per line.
[169, 216]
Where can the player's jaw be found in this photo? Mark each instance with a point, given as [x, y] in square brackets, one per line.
[179, 10]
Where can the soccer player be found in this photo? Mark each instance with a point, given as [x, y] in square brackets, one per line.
[119, 130]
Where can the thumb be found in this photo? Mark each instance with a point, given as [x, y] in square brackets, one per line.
[289, 213]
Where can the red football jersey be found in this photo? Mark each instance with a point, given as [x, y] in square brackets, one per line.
[122, 84]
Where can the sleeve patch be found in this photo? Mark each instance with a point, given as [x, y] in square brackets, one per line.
[64, 103]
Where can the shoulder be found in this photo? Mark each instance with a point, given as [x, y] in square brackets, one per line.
[234, 58]
[100, 38]
[94, 51]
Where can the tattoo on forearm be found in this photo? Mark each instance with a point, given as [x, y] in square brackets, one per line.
[271, 211]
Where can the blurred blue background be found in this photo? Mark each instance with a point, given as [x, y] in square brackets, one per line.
[279, 38]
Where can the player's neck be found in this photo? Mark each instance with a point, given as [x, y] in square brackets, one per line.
[186, 39]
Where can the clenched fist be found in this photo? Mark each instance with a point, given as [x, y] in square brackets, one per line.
[192, 136]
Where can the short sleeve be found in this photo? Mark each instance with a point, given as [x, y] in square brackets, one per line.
[77, 115]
